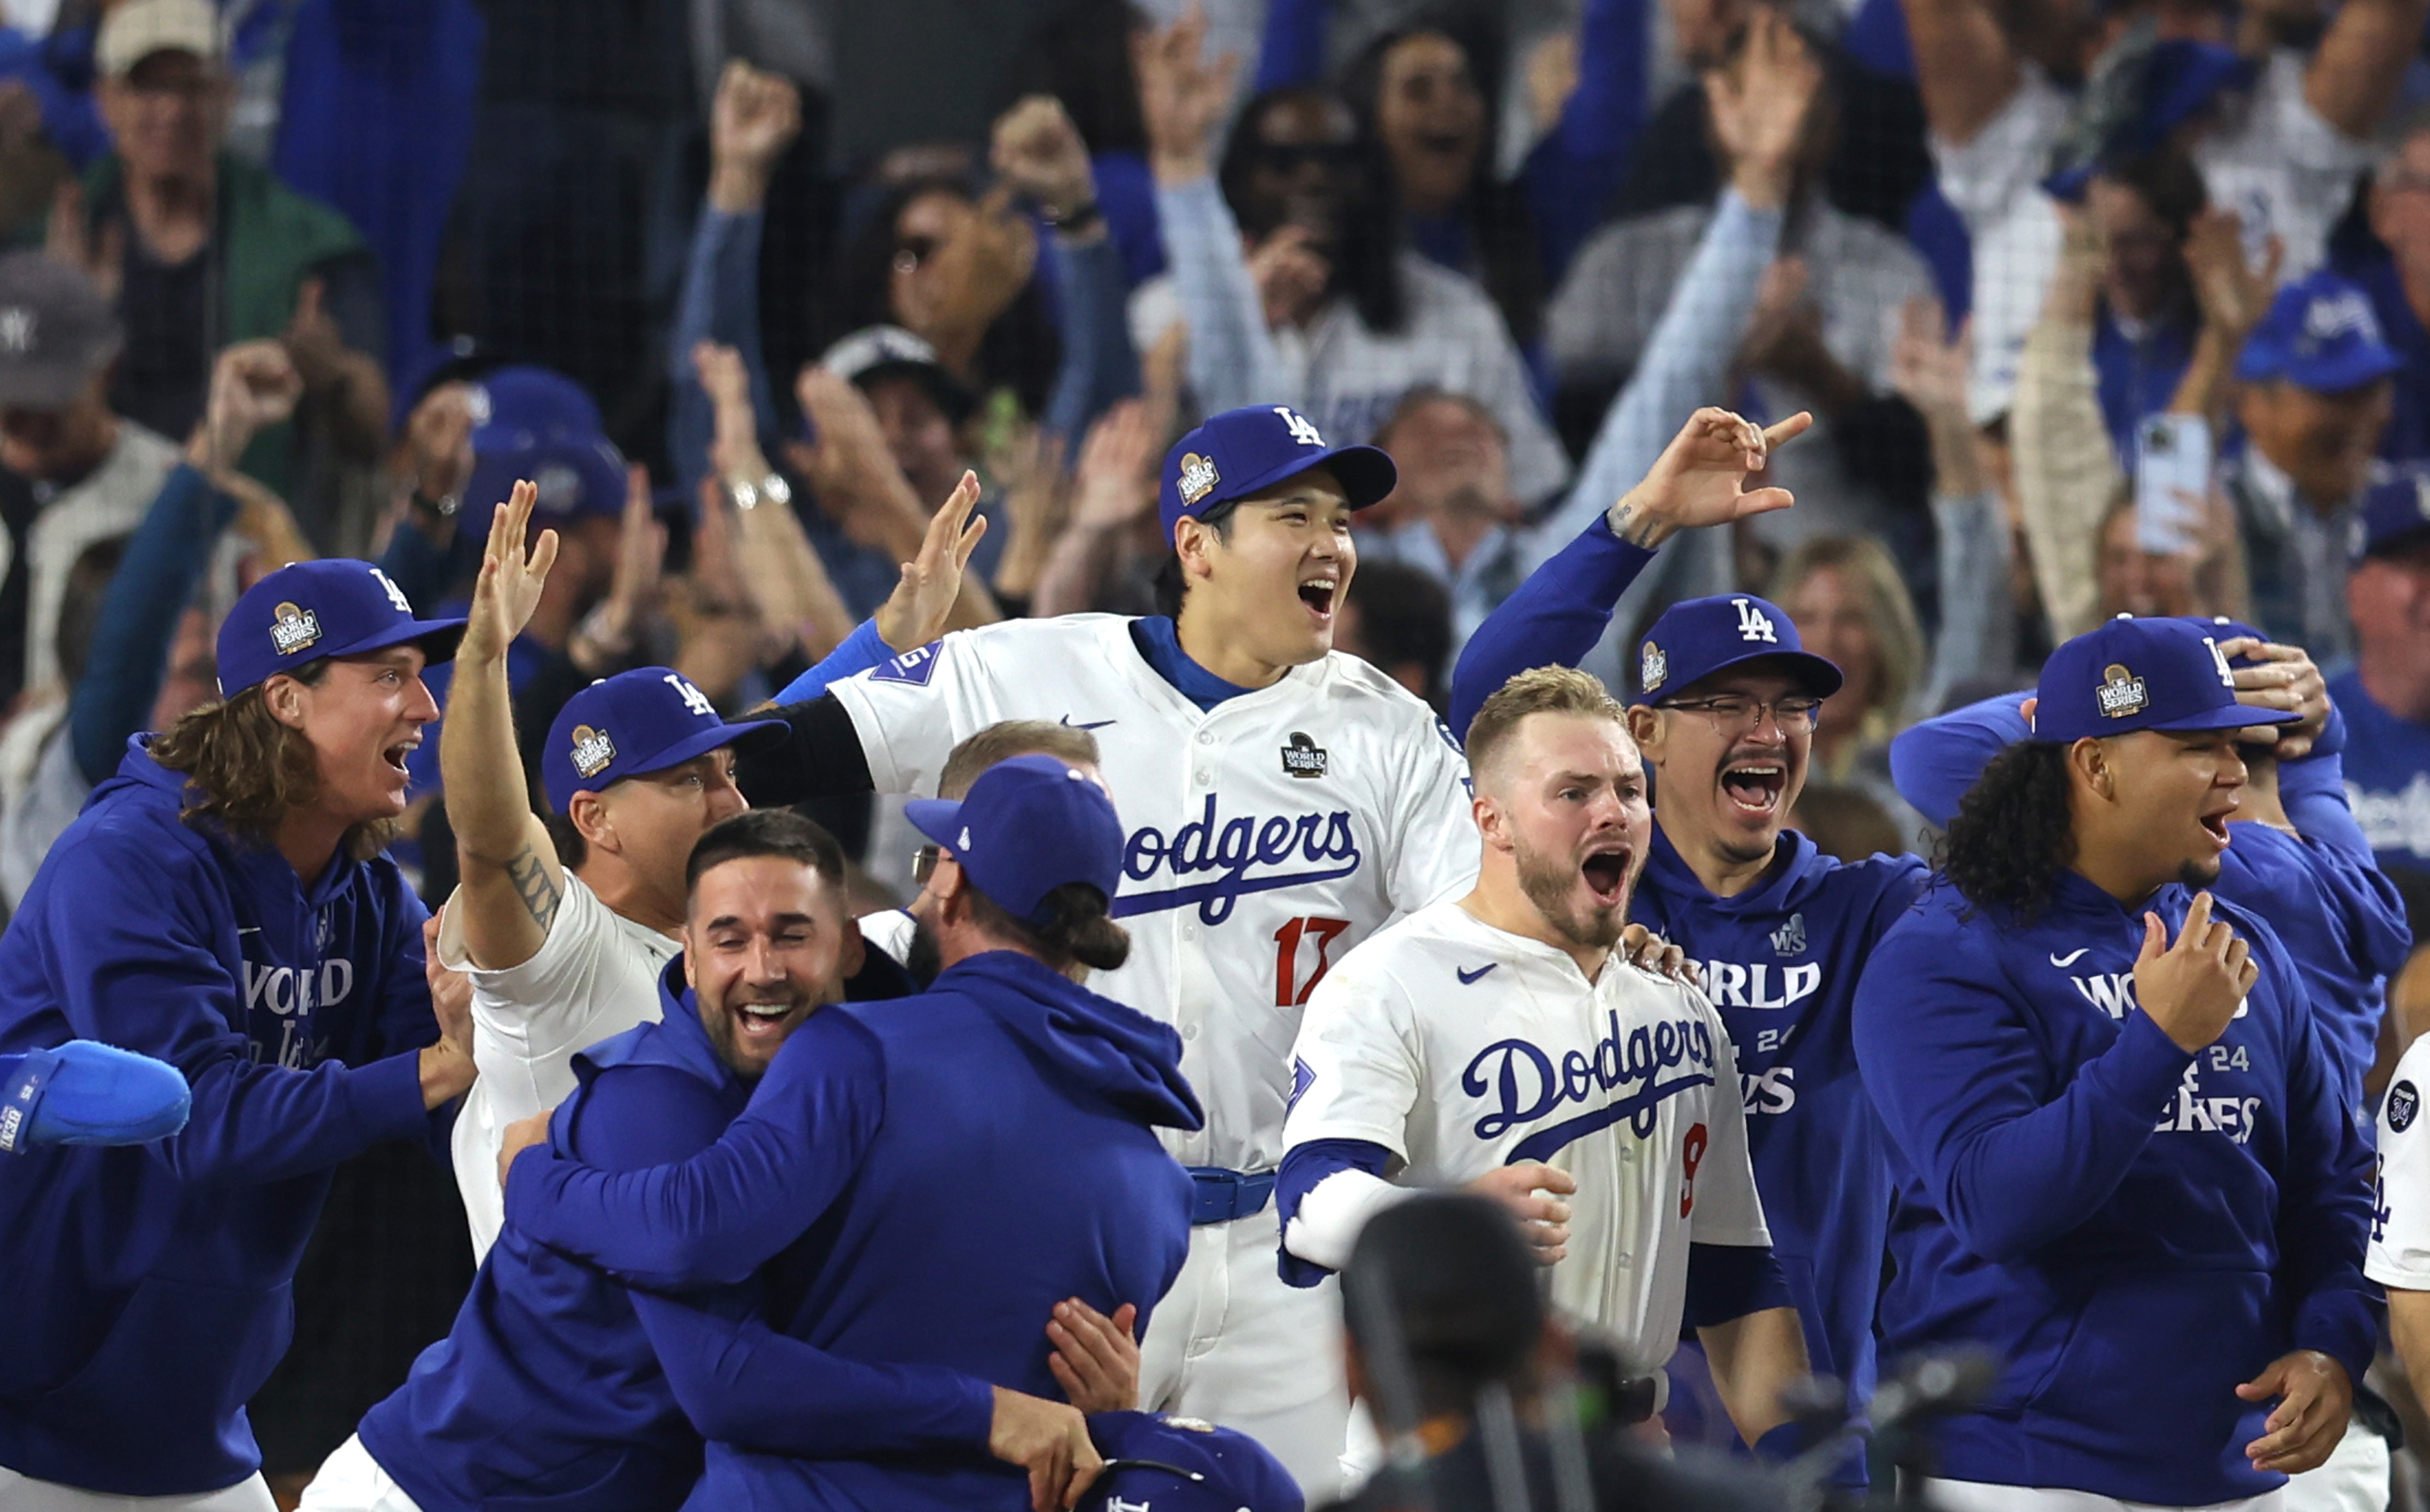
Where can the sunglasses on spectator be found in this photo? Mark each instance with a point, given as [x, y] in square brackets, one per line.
[1731, 711]
[924, 863]
[1288, 157]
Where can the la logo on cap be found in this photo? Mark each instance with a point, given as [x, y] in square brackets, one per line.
[16, 329]
[2122, 693]
[293, 629]
[1198, 477]
[593, 749]
[1754, 624]
[1653, 668]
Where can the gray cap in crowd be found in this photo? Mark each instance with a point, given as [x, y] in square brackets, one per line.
[56, 332]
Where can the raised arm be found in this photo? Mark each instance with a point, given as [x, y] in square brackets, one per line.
[512, 879]
[1233, 360]
[1560, 612]
[2066, 473]
[254, 385]
[787, 578]
[2353, 78]
[755, 118]
[1040, 152]
[1929, 370]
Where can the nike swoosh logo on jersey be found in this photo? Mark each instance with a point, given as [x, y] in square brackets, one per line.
[1469, 978]
[1096, 725]
[2063, 962]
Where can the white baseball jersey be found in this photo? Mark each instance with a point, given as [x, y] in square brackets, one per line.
[594, 976]
[1460, 1047]
[2399, 1255]
[1267, 837]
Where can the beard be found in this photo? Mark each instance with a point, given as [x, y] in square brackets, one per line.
[2198, 874]
[1551, 883]
[923, 959]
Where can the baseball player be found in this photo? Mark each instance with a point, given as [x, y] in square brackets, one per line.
[1286, 801]
[221, 905]
[559, 1388]
[2124, 1163]
[2299, 859]
[565, 926]
[1282, 800]
[1498, 1042]
[2398, 1256]
[1725, 714]
[961, 1160]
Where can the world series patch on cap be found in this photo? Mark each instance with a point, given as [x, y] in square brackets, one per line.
[1241, 452]
[2143, 675]
[651, 719]
[305, 611]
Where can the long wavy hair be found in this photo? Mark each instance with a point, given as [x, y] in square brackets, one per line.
[246, 771]
[2014, 833]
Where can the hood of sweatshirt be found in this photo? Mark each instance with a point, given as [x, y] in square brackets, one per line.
[1081, 1040]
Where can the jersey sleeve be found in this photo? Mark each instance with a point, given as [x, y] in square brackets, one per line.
[1431, 854]
[549, 1002]
[2400, 1225]
[1356, 1067]
[912, 712]
[1726, 1211]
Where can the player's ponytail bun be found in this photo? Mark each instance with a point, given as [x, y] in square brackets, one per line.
[1075, 927]
[1078, 928]
[2013, 832]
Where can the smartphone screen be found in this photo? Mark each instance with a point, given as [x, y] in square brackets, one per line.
[2172, 476]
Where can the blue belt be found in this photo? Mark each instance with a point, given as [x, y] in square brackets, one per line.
[1222, 1195]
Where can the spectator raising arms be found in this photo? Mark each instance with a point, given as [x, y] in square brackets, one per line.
[1340, 328]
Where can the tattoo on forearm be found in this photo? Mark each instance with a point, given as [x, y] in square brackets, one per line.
[1630, 523]
[529, 873]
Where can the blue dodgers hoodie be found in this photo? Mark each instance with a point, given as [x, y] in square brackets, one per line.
[953, 1163]
[1781, 962]
[2136, 1229]
[2342, 921]
[559, 1390]
[148, 1287]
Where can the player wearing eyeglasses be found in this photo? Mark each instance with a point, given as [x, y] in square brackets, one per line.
[1724, 712]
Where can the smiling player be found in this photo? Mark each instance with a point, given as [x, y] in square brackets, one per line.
[221, 904]
[2151, 1203]
[1724, 713]
[1498, 1042]
[1282, 801]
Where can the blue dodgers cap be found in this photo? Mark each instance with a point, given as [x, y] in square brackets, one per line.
[2143, 675]
[1697, 638]
[2140, 91]
[1239, 452]
[531, 423]
[2321, 334]
[1183, 1465]
[634, 724]
[1029, 824]
[305, 611]
[2395, 512]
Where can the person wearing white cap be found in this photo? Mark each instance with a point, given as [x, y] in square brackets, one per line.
[203, 248]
